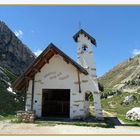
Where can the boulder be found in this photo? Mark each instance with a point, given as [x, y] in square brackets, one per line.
[128, 99]
[133, 114]
[108, 97]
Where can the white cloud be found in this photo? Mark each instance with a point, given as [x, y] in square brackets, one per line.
[38, 52]
[136, 52]
[18, 33]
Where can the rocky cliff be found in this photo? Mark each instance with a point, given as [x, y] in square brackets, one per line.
[14, 55]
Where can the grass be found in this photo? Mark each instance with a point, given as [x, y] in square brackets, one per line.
[103, 124]
[76, 123]
[9, 102]
[11, 76]
[119, 73]
[133, 123]
[114, 106]
[88, 122]
[7, 117]
[41, 122]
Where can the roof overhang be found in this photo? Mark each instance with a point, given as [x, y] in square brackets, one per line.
[39, 62]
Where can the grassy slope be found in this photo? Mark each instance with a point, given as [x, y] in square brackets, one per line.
[9, 103]
[114, 77]
[11, 76]
[113, 105]
[119, 73]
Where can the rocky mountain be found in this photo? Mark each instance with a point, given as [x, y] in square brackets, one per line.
[124, 76]
[14, 55]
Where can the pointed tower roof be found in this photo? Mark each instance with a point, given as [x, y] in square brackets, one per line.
[93, 41]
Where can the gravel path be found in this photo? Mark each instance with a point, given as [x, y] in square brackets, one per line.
[22, 128]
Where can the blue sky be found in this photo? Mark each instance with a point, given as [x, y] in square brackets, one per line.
[115, 28]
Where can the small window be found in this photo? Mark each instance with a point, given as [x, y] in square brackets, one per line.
[88, 96]
[85, 48]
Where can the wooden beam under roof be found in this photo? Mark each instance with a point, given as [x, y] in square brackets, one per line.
[47, 54]
[46, 60]
[66, 60]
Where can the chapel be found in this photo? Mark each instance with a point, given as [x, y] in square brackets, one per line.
[57, 86]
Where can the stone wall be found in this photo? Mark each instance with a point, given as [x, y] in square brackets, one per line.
[26, 116]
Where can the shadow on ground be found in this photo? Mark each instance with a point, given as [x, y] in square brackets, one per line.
[114, 121]
[108, 122]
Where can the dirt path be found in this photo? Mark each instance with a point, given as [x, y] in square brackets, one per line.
[108, 114]
[22, 128]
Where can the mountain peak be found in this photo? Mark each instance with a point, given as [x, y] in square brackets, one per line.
[14, 55]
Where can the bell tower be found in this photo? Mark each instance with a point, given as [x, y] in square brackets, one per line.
[85, 51]
[85, 44]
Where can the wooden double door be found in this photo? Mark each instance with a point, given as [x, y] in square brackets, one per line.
[56, 103]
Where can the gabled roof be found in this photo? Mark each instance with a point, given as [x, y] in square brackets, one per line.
[40, 61]
[93, 41]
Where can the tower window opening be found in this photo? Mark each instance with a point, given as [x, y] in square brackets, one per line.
[85, 48]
